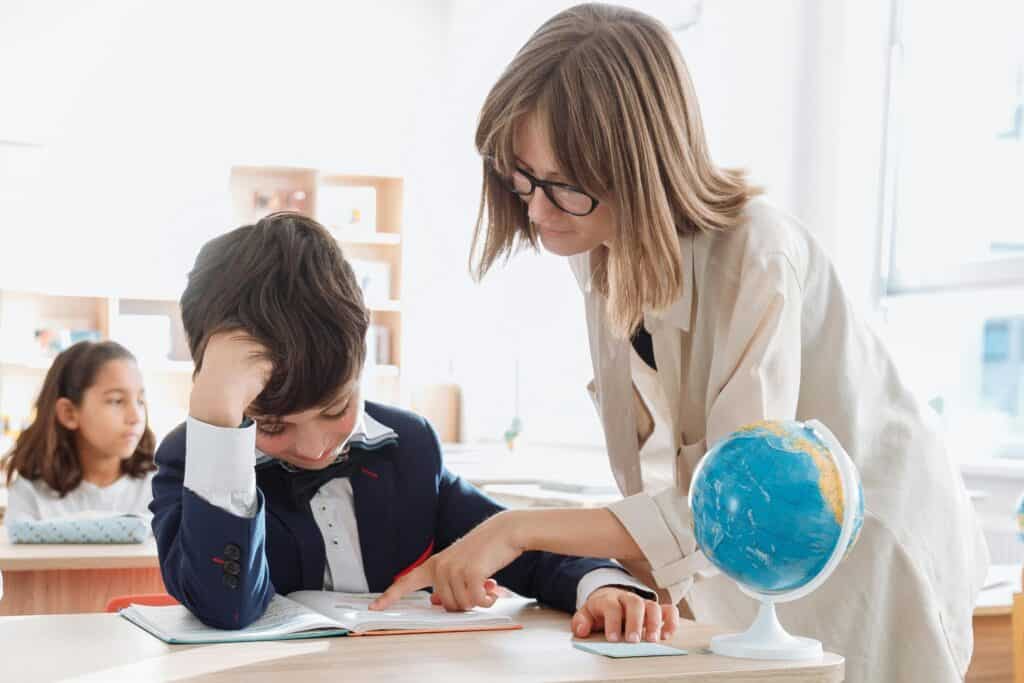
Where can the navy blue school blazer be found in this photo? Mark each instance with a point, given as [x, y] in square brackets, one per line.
[408, 506]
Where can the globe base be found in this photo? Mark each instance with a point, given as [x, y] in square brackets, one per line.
[766, 639]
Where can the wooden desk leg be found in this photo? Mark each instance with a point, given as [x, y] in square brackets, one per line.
[993, 656]
[1017, 633]
[73, 591]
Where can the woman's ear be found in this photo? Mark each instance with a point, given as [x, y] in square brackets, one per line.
[67, 414]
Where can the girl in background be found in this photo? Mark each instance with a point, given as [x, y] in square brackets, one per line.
[89, 447]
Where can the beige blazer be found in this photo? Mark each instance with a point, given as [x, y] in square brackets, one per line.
[763, 330]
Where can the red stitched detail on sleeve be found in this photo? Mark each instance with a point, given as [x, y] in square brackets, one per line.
[419, 560]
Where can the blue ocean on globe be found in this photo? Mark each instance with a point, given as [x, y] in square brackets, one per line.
[1020, 518]
[768, 506]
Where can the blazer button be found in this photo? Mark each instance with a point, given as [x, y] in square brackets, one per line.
[230, 581]
[233, 568]
[232, 551]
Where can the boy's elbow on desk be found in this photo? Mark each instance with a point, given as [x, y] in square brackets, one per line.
[217, 608]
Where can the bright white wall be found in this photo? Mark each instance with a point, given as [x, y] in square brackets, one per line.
[144, 107]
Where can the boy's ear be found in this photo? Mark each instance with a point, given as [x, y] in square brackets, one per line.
[67, 414]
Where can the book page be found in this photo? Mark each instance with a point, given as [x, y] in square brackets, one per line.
[283, 617]
[413, 611]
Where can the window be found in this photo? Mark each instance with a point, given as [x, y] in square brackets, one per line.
[953, 216]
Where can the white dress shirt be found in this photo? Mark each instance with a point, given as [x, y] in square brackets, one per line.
[220, 468]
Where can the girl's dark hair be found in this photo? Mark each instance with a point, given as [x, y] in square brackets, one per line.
[285, 283]
[46, 449]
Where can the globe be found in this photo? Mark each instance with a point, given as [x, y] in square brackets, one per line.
[776, 507]
[1020, 517]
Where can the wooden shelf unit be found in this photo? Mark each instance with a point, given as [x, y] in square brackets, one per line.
[259, 190]
[23, 363]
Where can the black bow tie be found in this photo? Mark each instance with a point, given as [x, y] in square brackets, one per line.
[303, 484]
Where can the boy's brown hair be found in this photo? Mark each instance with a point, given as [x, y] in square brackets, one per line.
[285, 283]
[46, 449]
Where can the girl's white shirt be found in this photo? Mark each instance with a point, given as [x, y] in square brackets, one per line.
[35, 500]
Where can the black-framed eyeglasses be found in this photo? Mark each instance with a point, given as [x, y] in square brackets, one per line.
[568, 198]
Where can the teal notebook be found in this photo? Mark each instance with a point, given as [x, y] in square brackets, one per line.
[314, 614]
[620, 650]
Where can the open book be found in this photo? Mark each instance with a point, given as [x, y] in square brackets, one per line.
[317, 614]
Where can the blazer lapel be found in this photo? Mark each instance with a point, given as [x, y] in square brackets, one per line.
[301, 526]
[613, 385]
[373, 491]
[613, 380]
[667, 329]
[667, 339]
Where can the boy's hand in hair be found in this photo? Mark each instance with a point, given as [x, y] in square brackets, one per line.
[234, 371]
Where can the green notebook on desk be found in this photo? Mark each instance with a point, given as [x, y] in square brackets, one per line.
[317, 614]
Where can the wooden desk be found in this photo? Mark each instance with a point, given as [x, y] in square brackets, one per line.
[993, 640]
[105, 647]
[69, 579]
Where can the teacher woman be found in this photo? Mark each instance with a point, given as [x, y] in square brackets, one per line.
[707, 309]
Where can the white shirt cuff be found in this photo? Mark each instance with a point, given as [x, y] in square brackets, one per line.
[606, 576]
[220, 466]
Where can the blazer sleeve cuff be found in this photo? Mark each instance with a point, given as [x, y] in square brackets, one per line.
[599, 578]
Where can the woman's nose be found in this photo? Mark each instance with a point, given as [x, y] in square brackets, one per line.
[539, 206]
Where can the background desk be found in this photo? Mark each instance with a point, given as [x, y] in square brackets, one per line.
[105, 647]
[584, 467]
[536, 475]
[993, 633]
[67, 579]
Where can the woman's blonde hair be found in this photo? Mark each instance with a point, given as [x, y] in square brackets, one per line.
[611, 88]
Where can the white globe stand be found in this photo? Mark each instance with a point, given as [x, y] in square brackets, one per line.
[766, 639]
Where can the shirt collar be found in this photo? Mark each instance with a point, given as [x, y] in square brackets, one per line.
[580, 265]
[367, 434]
[370, 434]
